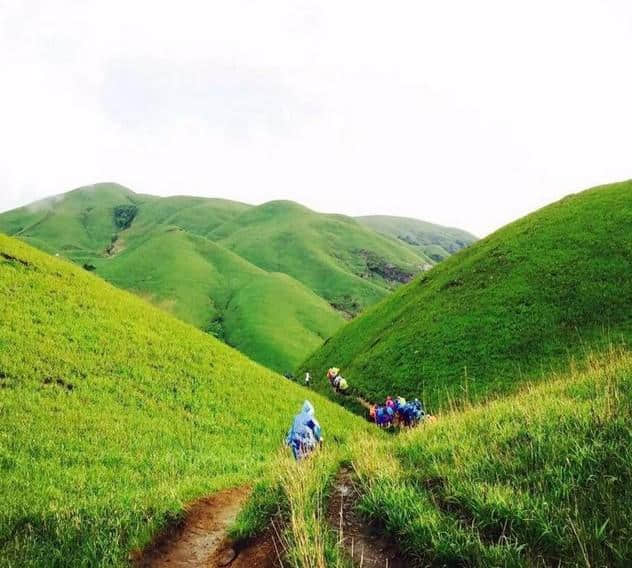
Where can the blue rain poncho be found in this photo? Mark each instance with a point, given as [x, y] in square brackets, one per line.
[304, 433]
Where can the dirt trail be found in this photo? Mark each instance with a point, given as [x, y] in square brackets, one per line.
[365, 403]
[202, 541]
[366, 547]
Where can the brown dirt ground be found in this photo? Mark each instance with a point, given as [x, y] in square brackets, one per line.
[201, 539]
[366, 547]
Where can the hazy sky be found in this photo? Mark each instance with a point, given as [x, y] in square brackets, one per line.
[454, 111]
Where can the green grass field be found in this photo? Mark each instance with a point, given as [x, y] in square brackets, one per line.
[540, 478]
[274, 281]
[113, 415]
[515, 305]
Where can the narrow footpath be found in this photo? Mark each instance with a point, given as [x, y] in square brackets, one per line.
[367, 547]
[202, 540]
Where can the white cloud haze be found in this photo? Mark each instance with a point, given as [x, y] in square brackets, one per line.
[462, 113]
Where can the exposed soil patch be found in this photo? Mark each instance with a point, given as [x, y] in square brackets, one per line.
[116, 246]
[59, 382]
[378, 266]
[365, 545]
[11, 258]
[265, 551]
[201, 539]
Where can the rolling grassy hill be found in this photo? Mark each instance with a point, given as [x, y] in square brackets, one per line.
[340, 260]
[434, 241]
[273, 281]
[113, 415]
[516, 304]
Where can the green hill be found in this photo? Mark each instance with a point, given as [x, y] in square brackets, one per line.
[434, 241]
[343, 262]
[539, 478]
[548, 287]
[113, 415]
[273, 281]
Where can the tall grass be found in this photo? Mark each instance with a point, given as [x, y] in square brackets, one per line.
[539, 478]
[293, 497]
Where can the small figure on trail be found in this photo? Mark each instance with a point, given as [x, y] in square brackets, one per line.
[343, 385]
[337, 381]
[340, 384]
[308, 378]
[305, 434]
[389, 402]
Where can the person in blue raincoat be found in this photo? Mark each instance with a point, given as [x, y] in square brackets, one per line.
[305, 433]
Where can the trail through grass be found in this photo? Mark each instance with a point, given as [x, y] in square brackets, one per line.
[113, 415]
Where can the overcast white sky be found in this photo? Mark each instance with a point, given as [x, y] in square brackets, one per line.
[459, 112]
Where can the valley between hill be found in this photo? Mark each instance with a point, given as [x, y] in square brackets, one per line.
[123, 428]
[274, 280]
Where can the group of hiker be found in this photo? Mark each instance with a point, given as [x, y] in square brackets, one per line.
[305, 435]
[397, 412]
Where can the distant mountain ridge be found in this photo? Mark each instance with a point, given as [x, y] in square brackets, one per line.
[273, 280]
[432, 240]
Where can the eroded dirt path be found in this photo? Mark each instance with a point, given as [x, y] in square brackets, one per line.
[366, 547]
[201, 540]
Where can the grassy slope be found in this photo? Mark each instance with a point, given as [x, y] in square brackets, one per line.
[507, 308]
[270, 317]
[166, 256]
[158, 414]
[541, 478]
[321, 251]
[214, 263]
[434, 241]
[77, 224]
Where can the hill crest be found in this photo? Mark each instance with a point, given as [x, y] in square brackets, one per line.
[525, 299]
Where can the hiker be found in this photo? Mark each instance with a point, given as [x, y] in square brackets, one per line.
[304, 435]
[343, 385]
[332, 374]
[389, 402]
[337, 381]
[340, 384]
[307, 378]
[412, 413]
[382, 415]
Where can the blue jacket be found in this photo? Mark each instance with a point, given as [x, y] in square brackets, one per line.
[305, 426]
